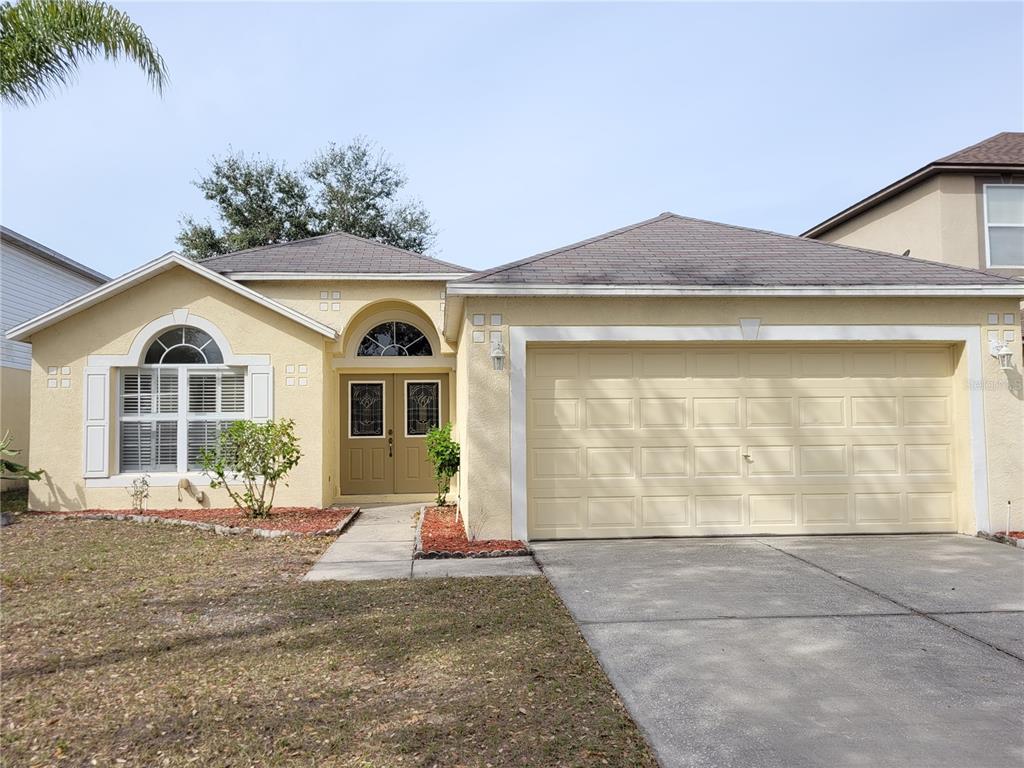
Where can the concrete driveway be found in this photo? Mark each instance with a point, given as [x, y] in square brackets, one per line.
[808, 651]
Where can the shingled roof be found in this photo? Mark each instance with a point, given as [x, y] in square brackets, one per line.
[337, 253]
[676, 251]
[1002, 152]
[1004, 149]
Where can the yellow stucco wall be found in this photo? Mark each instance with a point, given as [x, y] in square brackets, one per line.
[358, 299]
[14, 409]
[479, 399]
[110, 327]
[486, 491]
[358, 305]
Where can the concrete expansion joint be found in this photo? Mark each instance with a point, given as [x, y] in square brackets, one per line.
[894, 601]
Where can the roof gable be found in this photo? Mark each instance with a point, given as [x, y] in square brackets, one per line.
[1002, 151]
[337, 253]
[672, 251]
[145, 272]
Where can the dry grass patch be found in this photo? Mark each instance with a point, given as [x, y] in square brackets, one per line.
[153, 646]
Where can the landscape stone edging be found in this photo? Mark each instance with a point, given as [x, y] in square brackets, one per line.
[222, 530]
[419, 554]
[1001, 539]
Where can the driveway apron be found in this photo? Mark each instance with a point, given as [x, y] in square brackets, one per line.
[808, 651]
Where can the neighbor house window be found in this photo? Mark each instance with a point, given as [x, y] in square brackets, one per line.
[1004, 224]
[177, 403]
[394, 339]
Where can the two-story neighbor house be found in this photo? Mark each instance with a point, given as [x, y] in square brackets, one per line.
[33, 279]
[966, 209]
[672, 377]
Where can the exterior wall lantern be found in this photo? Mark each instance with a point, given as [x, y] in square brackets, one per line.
[498, 356]
[998, 350]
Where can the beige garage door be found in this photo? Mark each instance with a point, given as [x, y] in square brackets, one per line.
[669, 441]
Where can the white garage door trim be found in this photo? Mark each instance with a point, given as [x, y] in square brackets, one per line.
[521, 335]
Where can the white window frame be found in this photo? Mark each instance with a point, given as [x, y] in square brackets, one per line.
[405, 404]
[183, 416]
[984, 211]
[383, 406]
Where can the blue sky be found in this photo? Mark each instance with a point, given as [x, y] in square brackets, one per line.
[522, 127]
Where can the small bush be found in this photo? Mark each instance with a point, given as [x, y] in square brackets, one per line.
[256, 455]
[444, 455]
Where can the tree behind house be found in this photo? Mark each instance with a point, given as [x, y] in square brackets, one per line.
[355, 189]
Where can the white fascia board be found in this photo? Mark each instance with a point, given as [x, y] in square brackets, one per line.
[141, 274]
[470, 289]
[436, 276]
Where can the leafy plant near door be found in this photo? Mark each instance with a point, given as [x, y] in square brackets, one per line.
[444, 454]
[257, 455]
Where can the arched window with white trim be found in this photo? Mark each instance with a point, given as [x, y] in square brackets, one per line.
[177, 402]
[394, 339]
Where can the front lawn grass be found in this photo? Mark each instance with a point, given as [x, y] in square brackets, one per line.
[148, 646]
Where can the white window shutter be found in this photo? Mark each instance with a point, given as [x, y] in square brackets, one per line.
[261, 392]
[96, 427]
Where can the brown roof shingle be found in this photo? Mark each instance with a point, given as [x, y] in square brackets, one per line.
[1005, 148]
[334, 253]
[673, 250]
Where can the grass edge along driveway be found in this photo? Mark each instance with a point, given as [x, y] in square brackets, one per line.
[145, 645]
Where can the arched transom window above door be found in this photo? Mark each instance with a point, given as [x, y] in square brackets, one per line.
[394, 339]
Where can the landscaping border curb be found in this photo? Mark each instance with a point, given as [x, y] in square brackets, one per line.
[222, 530]
[1008, 540]
[419, 554]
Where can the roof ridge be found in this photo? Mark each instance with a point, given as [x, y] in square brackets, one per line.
[337, 233]
[572, 246]
[803, 239]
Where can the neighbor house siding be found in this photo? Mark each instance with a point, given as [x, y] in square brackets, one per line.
[30, 286]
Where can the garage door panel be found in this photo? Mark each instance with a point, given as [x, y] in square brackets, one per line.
[631, 441]
[610, 463]
[664, 461]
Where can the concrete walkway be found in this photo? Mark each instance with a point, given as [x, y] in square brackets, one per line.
[379, 545]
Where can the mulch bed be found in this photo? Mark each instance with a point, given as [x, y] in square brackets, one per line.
[441, 534]
[305, 521]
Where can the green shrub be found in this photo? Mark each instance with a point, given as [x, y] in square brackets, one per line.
[443, 453]
[256, 455]
[9, 468]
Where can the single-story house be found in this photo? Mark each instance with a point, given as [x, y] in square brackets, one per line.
[674, 377]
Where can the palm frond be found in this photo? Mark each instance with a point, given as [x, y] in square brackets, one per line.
[42, 43]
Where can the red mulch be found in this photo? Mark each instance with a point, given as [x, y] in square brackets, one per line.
[442, 533]
[292, 519]
[1011, 534]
